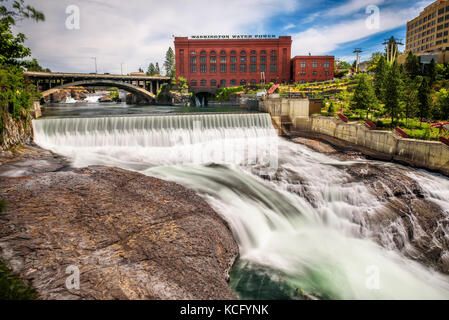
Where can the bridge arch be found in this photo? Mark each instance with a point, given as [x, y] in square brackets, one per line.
[103, 82]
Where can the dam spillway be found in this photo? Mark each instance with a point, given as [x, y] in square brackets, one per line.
[310, 225]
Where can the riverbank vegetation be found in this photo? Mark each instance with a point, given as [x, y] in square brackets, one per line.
[16, 98]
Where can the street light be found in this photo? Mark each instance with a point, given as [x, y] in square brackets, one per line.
[95, 59]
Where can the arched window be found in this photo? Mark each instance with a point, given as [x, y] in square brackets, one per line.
[273, 51]
[222, 52]
[263, 52]
[203, 52]
[243, 52]
[213, 83]
[253, 52]
[193, 52]
[193, 83]
[213, 53]
[243, 82]
[233, 52]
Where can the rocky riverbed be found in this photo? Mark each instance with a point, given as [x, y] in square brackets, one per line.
[407, 221]
[131, 236]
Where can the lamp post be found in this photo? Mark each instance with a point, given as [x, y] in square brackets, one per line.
[95, 59]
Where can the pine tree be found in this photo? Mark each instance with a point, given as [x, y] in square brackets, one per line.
[393, 91]
[157, 69]
[411, 97]
[443, 104]
[169, 64]
[364, 99]
[412, 65]
[424, 99]
[380, 73]
[151, 70]
[430, 72]
[140, 69]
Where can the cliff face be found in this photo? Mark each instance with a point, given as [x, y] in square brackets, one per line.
[131, 236]
[14, 132]
[17, 132]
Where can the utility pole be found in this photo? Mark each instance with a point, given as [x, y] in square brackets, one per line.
[392, 48]
[95, 59]
[357, 51]
[121, 68]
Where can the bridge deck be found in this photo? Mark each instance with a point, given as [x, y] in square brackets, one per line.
[59, 75]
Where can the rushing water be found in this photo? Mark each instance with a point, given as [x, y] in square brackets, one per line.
[300, 232]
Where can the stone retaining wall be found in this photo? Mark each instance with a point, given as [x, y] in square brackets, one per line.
[431, 155]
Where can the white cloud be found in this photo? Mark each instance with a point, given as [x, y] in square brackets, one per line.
[136, 32]
[288, 26]
[322, 40]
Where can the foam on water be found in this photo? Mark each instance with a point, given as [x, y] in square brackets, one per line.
[303, 228]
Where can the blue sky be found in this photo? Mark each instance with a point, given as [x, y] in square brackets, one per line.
[137, 32]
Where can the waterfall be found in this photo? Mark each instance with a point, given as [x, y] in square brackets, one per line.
[70, 100]
[299, 230]
[198, 102]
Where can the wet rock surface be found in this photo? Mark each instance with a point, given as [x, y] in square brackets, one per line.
[407, 220]
[131, 236]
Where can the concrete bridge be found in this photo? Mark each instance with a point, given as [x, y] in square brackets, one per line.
[48, 83]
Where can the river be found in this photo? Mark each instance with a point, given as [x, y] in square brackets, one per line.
[302, 221]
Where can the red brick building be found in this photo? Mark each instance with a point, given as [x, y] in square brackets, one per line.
[227, 61]
[312, 68]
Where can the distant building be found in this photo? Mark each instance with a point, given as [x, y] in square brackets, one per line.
[429, 32]
[312, 68]
[363, 66]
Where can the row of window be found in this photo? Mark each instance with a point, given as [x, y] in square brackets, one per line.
[315, 64]
[426, 22]
[233, 52]
[223, 83]
[429, 46]
[232, 68]
[232, 59]
[427, 18]
[314, 73]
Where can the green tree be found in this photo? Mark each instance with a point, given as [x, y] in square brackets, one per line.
[411, 103]
[151, 70]
[393, 92]
[430, 72]
[182, 83]
[372, 64]
[331, 109]
[140, 69]
[443, 104]
[364, 99]
[12, 50]
[33, 65]
[412, 65]
[169, 63]
[380, 74]
[158, 70]
[424, 99]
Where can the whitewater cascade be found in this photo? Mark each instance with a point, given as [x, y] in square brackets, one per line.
[299, 230]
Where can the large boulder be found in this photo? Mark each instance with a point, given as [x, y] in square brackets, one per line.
[131, 236]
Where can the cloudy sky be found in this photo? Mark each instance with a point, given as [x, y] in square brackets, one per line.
[137, 32]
